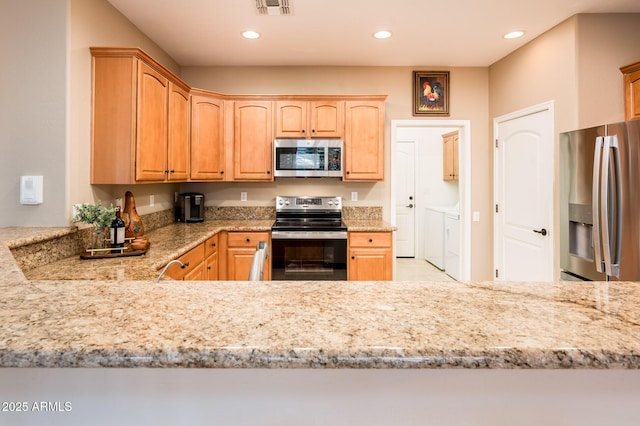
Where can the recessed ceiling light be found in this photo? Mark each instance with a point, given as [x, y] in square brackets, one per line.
[251, 34]
[514, 34]
[382, 34]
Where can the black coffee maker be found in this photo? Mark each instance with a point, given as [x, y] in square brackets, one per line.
[190, 207]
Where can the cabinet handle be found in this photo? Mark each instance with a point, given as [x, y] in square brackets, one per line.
[353, 257]
[268, 172]
[208, 268]
[166, 172]
[221, 172]
[185, 265]
[248, 240]
[348, 172]
[172, 171]
[303, 131]
[313, 130]
[370, 240]
[213, 244]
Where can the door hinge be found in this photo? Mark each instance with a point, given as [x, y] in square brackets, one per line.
[497, 210]
[496, 143]
[497, 274]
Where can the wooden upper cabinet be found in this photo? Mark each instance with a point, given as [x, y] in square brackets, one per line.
[178, 133]
[253, 140]
[207, 138]
[631, 91]
[364, 140]
[450, 156]
[309, 119]
[140, 119]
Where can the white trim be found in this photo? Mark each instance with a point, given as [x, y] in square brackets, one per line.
[464, 181]
[545, 106]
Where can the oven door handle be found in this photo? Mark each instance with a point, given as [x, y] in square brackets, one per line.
[309, 235]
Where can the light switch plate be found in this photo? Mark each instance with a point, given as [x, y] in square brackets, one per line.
[243, 196]
[354, 196]
[152, 200]
[31, 189]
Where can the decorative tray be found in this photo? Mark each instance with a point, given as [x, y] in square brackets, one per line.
[106, 253]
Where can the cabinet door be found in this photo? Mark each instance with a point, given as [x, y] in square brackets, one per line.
[632, 94]
[207, 138]
[151, 128]
[178, 134]
[326, 119]
[196, 274]
[253, 140]
[370, 264]
[291, 119]
[450, 156]
[364, 140]
[239, 263]
[211, 267]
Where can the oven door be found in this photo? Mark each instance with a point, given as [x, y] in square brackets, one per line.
[308, 256]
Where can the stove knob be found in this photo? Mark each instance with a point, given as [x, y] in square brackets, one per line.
[286, 202]
[281, 202]
[330, 202]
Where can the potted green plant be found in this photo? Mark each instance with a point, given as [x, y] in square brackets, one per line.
[100, 217]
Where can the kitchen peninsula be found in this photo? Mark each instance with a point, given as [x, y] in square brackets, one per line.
[131, 321]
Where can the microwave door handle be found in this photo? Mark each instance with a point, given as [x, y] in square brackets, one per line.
[595, 204]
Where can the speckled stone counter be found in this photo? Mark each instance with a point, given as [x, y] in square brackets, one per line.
[130, 323]
[167, 243]
[319, 325]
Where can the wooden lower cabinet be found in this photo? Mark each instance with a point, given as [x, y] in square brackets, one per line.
[241, 246]
[370, 256]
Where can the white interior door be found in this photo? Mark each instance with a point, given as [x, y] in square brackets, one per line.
[523, 190]
[405, 198]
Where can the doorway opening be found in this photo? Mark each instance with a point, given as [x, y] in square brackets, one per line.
[408, 139]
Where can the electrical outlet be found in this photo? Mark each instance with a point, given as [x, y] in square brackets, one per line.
[243, 196]
[354, 196]
[152, 200]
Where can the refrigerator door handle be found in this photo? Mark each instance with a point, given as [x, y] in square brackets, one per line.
[604, 204]
[615, 265]
[595, 203]
[611, 267]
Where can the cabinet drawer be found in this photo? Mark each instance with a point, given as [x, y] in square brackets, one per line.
[369, 239]
[191, 259]
[211, 246]
[246, 239]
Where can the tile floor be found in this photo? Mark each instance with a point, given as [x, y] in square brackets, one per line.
[411, 269]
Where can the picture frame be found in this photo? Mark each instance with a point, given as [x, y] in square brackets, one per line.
[431, 93]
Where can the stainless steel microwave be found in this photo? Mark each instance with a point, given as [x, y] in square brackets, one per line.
[308, 157]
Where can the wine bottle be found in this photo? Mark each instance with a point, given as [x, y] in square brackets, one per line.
[117, 232]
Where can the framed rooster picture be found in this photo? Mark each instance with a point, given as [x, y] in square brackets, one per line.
[431, 93]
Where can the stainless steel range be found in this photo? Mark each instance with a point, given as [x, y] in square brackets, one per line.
[309, 239]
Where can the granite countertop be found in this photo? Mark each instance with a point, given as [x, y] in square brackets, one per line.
[280, 324]
[167, 243]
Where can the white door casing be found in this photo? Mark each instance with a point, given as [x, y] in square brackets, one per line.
[523, 193]
[404, 183]
[398, 126]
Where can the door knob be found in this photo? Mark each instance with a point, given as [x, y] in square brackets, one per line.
[542, 231]
[410, 206]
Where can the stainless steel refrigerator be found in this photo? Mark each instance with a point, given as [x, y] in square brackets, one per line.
[600, 203]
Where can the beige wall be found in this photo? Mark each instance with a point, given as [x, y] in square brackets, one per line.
[605, 42]
[575, 64]
[33, 109]
[469, 94]
[97, 23]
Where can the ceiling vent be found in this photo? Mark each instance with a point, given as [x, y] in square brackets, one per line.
[273, 7]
